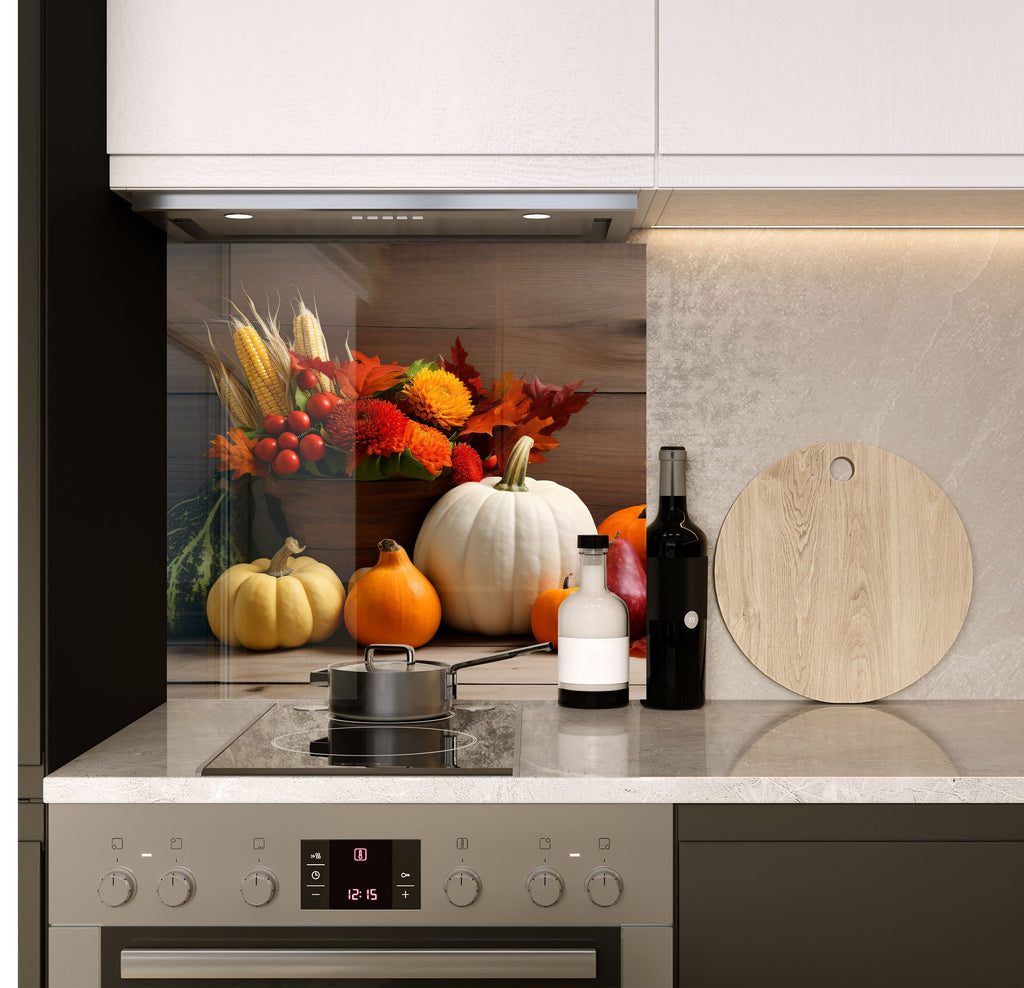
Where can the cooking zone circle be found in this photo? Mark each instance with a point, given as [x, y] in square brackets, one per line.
[371, 741]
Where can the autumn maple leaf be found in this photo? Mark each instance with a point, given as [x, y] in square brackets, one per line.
[504, 404]
[558, 403]
[536, 429]
[360, 377]
[234, 450]
[464, 371]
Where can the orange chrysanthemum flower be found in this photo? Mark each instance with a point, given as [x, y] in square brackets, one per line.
[366, 427]
[440, 398]
[428, 446]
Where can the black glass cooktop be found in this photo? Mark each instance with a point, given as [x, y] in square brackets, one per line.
[297, 738]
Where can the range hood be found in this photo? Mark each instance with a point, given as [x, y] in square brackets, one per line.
[261, 216]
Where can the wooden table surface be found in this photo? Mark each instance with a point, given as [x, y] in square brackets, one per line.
[209, 670]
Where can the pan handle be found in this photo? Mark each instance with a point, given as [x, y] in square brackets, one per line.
[410, 655]
[453, 669]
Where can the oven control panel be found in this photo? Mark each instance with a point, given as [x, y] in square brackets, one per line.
[276, 864]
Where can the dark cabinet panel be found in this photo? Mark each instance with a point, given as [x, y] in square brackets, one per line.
[846, 912]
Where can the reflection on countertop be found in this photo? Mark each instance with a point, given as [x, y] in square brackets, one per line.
[778, 739]
[752, 751]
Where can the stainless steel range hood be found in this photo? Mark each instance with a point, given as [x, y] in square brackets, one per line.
[206, 217]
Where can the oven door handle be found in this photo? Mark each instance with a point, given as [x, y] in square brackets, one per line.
[454, 965]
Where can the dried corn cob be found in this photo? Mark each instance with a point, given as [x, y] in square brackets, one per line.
[280, 358]
[265, 382]
[309, 340]
[234, 394]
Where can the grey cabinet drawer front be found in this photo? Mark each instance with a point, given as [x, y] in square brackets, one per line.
[850, 913]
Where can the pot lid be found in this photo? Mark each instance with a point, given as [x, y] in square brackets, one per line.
[373, 662]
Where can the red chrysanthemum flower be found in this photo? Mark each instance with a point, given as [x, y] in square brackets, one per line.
[466, 464]
[366, 427]
[429, 446]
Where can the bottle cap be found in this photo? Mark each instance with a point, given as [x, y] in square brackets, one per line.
[672, 453]
[591, 541]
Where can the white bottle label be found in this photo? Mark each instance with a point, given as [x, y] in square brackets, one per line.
[593, 664]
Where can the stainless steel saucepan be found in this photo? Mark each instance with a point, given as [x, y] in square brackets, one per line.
[391, 690]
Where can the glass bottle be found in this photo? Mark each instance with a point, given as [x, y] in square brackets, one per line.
[677, 594]
[593, 635]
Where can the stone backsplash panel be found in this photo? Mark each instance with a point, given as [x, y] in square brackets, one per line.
[761, 342]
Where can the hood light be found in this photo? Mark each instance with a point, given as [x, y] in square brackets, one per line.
[238, 216]
[536, 216]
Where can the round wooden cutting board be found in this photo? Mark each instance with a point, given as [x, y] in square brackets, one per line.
[843, 590]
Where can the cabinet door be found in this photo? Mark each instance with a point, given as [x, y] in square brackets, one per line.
[933, 914]
[847, 77]
[395, 77]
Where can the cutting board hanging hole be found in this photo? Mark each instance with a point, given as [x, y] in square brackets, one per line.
[841, 469]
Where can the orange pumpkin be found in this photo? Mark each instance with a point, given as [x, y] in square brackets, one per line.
[630, 523]
[544, 613]
[393, 602]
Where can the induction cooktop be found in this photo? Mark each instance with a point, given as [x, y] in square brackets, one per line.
[301, 738]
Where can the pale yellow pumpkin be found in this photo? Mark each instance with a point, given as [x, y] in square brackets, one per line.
[282, 602]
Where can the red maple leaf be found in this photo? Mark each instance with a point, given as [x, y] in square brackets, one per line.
[557, 403]
[234, 451]
[463, 370]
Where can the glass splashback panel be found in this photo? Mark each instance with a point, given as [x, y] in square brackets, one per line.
[440, 357]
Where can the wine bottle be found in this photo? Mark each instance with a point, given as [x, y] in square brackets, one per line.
[677, 594]
[593, 635]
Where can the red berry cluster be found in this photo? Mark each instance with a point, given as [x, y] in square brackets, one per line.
[292, 440]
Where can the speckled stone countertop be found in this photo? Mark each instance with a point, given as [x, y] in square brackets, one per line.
[934, 751]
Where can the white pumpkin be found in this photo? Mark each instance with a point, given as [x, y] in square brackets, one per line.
[490, 548]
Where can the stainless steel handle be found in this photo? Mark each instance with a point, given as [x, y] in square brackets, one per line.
[455, 965]
[410, 655]
[497, 656]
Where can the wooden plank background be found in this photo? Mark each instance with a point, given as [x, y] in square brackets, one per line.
[558, 311]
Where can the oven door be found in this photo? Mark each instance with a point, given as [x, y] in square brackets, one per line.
[362, 956]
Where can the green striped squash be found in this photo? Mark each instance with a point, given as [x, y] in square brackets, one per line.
[206, 533]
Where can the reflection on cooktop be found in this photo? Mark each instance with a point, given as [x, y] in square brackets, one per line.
[292, 739]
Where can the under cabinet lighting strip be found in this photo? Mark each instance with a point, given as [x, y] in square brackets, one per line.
[834, 226]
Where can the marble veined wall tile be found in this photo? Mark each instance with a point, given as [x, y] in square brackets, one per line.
[761, 342]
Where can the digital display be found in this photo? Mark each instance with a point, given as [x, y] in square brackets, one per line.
[360, 874]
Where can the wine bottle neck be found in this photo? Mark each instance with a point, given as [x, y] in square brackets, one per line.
[672, 504]
[672, 480]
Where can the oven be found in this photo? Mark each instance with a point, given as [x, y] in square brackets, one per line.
[361, 895]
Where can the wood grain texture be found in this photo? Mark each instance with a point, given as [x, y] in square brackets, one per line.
[211, 662]
[843, 591]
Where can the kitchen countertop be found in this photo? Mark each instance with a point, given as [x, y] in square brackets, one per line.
[962, 751]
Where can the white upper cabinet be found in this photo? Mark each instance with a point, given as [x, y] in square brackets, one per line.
[831, 78]
[556, 94]
[381, 77]
[841, 77]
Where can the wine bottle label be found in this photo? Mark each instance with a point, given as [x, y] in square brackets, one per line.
[677, 589]
[588, 664]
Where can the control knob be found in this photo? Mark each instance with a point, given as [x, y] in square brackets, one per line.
[259, 886]
[176, 887]
[545, 886]
[117, 887]
[462, 886]
[604, 886]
